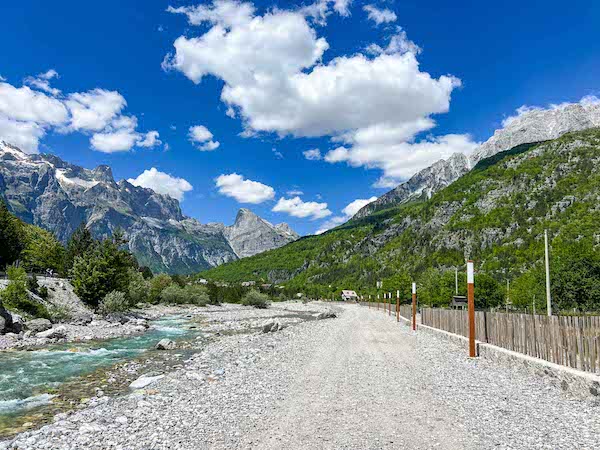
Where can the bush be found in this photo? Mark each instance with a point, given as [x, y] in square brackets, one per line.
[173, 294]
[102, 269]
[59, 313]
[195, 295]
[256, 299]
[157, 285]
[15, 295]
[114, 301]
[138, 287]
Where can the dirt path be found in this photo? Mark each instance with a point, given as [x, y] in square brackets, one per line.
[362, 388]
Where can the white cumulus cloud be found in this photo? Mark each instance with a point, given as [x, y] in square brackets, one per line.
[42, 82]
[275, 80]
[162, 183]
[312, 154]
[202, 137]
[379, 15]
[349, 210]
[297, 208]
[243, 190]
[27, 114]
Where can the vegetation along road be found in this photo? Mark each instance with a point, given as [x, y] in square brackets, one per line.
[359, 381]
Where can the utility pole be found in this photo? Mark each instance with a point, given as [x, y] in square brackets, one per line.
[548, 295]
[471, 306]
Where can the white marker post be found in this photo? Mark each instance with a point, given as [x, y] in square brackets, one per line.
[471, 306]
[414, 306]
[398, 305]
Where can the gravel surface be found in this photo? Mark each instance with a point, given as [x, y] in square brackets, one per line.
[360, 381]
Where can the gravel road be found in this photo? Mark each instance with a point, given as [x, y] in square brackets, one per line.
[360, 381]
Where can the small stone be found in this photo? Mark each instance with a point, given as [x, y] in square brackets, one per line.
[165, 344]
[122, 420]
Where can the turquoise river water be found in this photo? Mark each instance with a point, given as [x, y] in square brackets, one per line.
[29, 378]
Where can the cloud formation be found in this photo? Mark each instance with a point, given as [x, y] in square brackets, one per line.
[347, 213]
[162, 183]
[243, 190]
[379, 15]
[312, 154]
[276, 82]
[202, 138]
[297, 208]
[27, 114]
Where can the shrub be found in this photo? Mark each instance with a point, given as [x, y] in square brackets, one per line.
[173, 294]
[256, 299]
[101, 270]
[194, 295]
[114, 301]
[197, 295]
[59, 313]
[15, 295]
[138, 287]
[157, 285]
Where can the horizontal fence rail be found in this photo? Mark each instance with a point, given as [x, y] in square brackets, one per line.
[567, 340]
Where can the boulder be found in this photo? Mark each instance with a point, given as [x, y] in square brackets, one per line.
[271, 327]
[117, 318]
[81, 318]
[59, 332]
[326, 315]
[165, 344]
[267, 327]
[38, 325]
[5, 320]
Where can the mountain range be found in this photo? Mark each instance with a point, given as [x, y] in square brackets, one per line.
[531, 125]
[495, 214]
[44, 190]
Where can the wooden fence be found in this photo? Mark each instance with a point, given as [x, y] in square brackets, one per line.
[567, 340]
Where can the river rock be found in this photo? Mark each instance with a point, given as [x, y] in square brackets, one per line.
[59, 332]
[326, 315]
[38, 325]
[144, 381]
[165, 344]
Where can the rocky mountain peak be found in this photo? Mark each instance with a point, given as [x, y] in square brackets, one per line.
[103, 173]
[251, 234]
[529, 126]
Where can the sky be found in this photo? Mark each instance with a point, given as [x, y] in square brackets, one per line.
[302, 112]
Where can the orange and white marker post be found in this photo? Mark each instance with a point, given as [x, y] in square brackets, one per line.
[414, 306]
[398, 306]
[471, 307]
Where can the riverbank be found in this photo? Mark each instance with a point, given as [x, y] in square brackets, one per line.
[95, 327]
[59, 379]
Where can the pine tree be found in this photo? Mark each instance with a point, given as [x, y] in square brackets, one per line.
[12, 238]
[80, 242]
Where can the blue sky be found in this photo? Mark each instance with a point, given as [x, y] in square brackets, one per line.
[377, 80]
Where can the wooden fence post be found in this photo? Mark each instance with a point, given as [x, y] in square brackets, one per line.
[471, 306]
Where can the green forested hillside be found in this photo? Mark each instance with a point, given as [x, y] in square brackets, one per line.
[495, 215]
